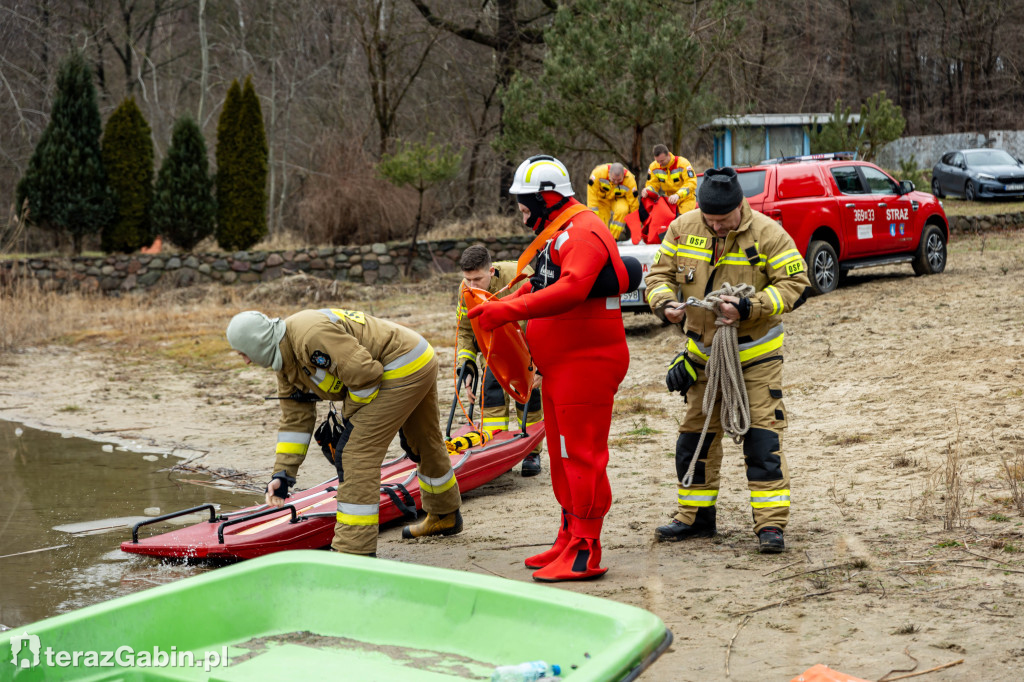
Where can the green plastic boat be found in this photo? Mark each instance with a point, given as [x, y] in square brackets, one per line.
[306, 615]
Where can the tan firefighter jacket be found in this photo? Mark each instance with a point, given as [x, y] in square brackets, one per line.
[504, 271]
[343, 356]
[759, 252]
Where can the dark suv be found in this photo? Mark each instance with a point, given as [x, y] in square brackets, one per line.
[845, 214]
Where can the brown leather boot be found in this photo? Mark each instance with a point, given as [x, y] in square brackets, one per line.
[435, 524]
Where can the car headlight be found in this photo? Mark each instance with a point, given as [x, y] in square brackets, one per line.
[986, 176]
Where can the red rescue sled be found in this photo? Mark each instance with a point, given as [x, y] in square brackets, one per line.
[307, 520]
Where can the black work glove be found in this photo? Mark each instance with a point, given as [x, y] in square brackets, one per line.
[743, 308]
[468, 374]
[681, 375]
[286, 482]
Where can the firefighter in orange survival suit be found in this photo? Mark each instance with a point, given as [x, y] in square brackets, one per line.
[578, 343]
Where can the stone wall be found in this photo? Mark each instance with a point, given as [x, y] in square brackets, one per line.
[367, 264]
[985, 223]
[928, 149]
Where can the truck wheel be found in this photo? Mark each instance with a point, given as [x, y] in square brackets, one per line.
[931, 252]
[821, 258]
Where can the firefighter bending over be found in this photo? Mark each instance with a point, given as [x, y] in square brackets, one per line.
[612, 195]
[385, 377]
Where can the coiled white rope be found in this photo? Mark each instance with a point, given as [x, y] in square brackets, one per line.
[724, 374]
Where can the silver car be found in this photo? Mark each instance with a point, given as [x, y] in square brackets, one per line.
[978, 174]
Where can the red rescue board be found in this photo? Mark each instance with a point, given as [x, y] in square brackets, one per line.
[508, 356]
[276, 531]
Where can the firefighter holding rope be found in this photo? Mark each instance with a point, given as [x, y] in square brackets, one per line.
[728, 242]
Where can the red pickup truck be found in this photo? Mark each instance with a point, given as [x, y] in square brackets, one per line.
[845, 214]
[842, 214]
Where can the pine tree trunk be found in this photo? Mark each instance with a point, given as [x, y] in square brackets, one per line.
[415, 233]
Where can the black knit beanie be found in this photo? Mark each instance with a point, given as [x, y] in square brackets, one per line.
[720, 192]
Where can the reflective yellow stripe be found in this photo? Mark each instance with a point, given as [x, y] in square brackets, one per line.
[669, 247]
[358, 514]
[330, 384]
[787, 257]
[697, 498]
[693, 252]
[362, 396]
[761, 349]
[777, 304]
[692, 347]
[292, 442]
[529, 171]
[411, 362]
[327, 382]
[492, 424]
[660, 289]
[335, 315]
[761, 499]
[436, 485]
[350, 520]
[466, 354]
[769, 342]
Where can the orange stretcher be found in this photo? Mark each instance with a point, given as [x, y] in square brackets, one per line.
[505, 350]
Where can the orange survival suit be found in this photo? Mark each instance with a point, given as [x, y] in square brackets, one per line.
[578, 343]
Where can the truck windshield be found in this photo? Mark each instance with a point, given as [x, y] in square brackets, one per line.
[752, 183]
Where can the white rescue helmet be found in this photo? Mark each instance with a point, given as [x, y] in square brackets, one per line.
[541, 174]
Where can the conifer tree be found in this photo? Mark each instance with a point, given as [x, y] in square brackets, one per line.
[183, 205]
[65, 187]
[227, 133]
[128, 160]
[242, 158]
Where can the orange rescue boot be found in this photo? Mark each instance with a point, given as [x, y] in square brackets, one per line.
[581, 558]
[547, 556]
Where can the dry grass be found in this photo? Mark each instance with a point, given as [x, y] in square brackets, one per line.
[192, 333]
[479, 227]
[954, 513]
[957, 207]
[187, 325]
[1013, 469]
[636, 404]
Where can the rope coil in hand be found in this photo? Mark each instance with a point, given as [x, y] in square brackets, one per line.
[724, 373]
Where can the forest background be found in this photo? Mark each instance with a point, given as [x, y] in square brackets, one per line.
[343, 85]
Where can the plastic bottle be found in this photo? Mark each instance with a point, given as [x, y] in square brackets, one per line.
[525, 672]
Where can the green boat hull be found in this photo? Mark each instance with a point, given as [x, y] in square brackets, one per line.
[317, 615]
